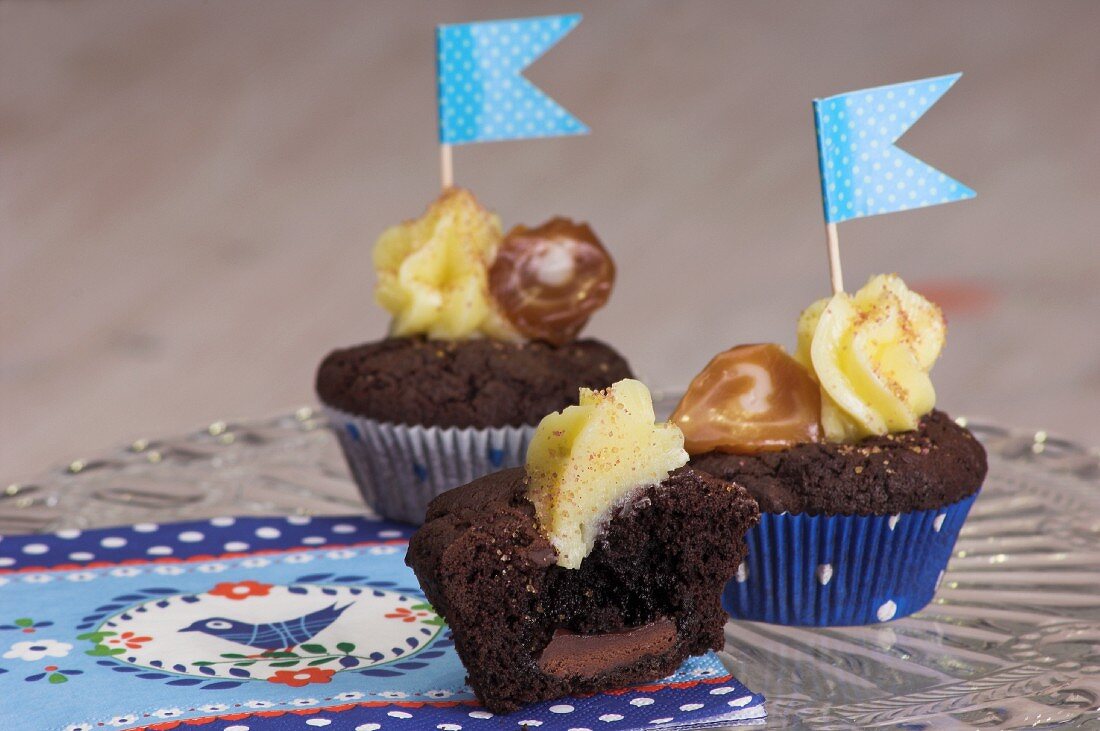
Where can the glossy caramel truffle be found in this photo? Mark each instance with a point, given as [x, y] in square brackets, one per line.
[749, 399]
[547, 281]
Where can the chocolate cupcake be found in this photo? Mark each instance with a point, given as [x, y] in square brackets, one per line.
[599, 565]
[482, 344]
[863, 486]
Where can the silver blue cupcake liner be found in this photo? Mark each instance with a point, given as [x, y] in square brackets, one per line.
[835, 570]
[400, 468]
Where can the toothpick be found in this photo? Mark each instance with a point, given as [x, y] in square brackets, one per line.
[835, 275]
[446, 166]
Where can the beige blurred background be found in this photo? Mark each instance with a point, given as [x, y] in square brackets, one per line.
[190, 192]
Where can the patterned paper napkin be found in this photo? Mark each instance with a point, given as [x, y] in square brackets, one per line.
[186, 625]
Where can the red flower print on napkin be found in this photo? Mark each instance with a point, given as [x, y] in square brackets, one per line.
[237, 590]
[129, 640]
[407, 615]
[304, 676]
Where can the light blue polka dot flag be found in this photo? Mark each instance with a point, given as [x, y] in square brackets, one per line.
[482, 95]
[862, 172]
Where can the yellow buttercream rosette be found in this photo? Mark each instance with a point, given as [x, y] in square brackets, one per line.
[583, 460]
[433, 271]
[871, 352]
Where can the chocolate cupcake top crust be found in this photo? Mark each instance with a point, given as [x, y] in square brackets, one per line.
[469, 383]
[934, 465]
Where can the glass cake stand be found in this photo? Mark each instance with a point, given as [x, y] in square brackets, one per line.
[1012, 639]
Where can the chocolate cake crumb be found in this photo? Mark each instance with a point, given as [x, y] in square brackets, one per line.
[934, 465]
[469, 383]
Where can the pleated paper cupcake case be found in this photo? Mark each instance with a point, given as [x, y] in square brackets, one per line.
[400, 468]
[843, 569]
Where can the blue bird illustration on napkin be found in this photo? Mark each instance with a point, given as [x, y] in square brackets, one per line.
[270, 635]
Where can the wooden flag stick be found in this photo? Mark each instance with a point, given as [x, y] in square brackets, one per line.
[446, 166]
[835, 274]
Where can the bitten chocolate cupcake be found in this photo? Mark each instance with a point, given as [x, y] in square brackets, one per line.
[598, 565]
[483, 342]
[862, 484]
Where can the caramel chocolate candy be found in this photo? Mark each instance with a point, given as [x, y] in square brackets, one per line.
[549, 280]
[751, 398]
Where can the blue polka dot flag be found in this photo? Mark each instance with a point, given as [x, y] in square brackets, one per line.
[862, 172]
[482, 95]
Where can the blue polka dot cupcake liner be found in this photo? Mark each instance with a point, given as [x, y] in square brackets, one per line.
[837, 570]
[400, 468]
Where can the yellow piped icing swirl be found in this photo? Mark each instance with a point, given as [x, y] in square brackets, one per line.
[433, 272]
[871, 352]
[585, 459]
